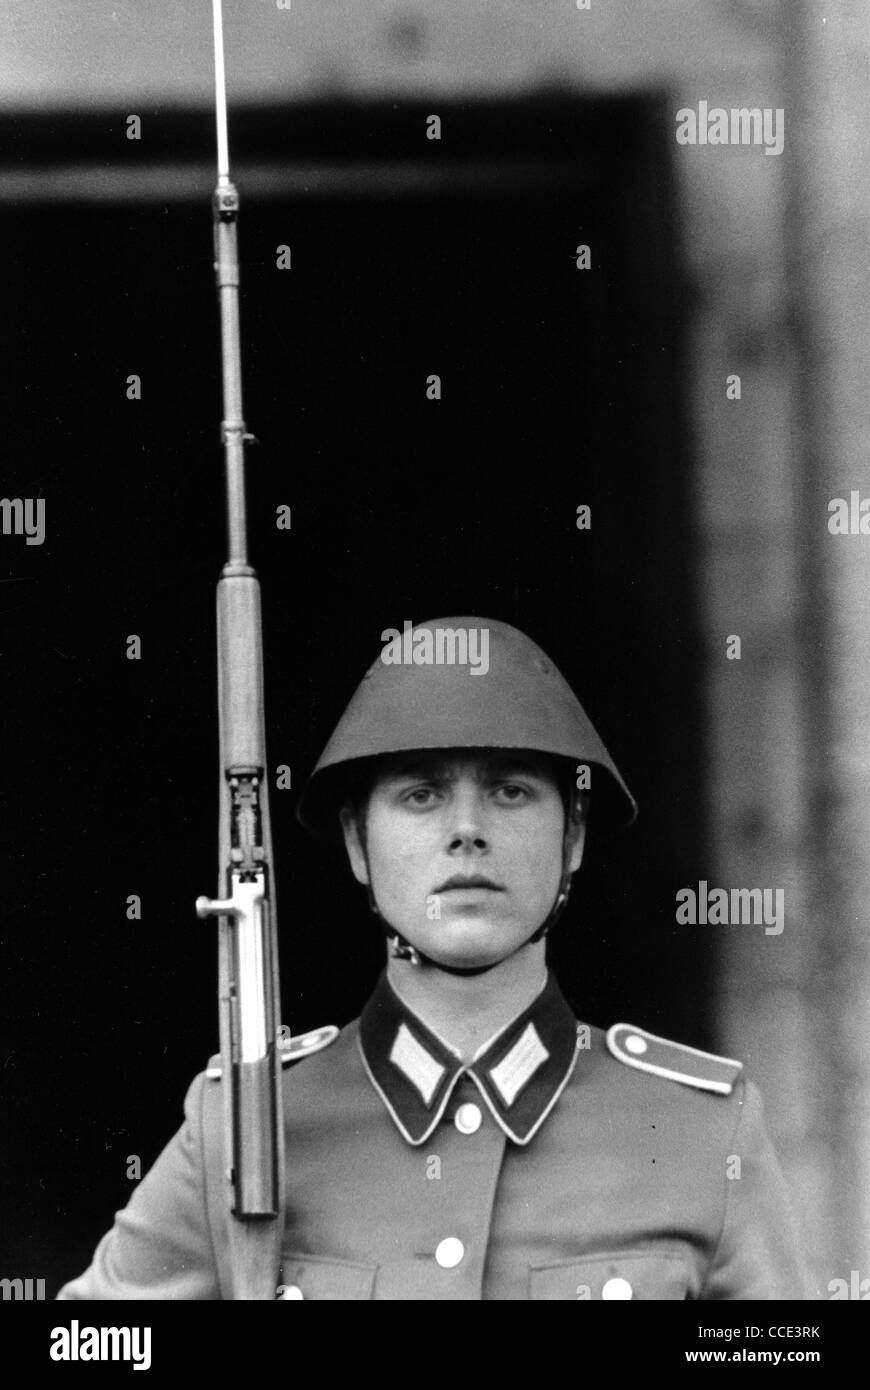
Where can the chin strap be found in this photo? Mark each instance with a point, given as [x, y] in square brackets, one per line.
[401, 948]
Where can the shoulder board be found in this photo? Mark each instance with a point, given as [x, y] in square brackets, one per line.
[673, 1060]
[289, 1049]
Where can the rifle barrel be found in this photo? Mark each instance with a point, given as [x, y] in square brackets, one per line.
[248, 983]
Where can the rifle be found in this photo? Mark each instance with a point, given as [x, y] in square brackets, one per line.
[248, 984]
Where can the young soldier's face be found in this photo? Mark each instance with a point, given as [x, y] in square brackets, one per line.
[464, 850]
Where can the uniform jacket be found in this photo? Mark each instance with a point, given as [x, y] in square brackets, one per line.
[562, 1163]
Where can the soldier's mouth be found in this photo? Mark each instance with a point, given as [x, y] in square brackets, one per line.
[463, 882]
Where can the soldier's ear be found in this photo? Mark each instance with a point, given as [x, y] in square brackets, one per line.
[577, 832]
[353, 844]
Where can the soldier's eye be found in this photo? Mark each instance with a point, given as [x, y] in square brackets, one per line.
[419, 796]
[512, 792]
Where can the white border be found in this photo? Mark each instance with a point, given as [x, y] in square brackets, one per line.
[723, 1088]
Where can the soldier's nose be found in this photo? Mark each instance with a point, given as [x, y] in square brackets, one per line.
[468, 839]
[467, 822]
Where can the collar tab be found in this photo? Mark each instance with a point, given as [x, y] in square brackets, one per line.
[520, 1073]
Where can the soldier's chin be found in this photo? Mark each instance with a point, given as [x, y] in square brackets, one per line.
[465, 943]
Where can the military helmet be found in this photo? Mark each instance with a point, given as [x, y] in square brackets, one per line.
[462, 683]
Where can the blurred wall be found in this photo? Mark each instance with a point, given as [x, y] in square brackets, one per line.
[776, 252]
[104, 51]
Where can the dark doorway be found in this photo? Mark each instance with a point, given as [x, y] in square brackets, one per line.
[560, 387]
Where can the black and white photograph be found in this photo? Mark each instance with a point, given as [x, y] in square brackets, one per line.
[435, 636]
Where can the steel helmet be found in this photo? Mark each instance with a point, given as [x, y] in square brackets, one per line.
[462, 683]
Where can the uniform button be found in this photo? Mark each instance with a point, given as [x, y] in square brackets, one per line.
[616, 1288]
[291, 1291]
[468, 1118]
[635, 1044]
[449, 1252]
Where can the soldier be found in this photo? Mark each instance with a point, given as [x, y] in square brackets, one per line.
[466, 1138]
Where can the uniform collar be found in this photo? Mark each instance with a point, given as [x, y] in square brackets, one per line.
[520, 1073]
